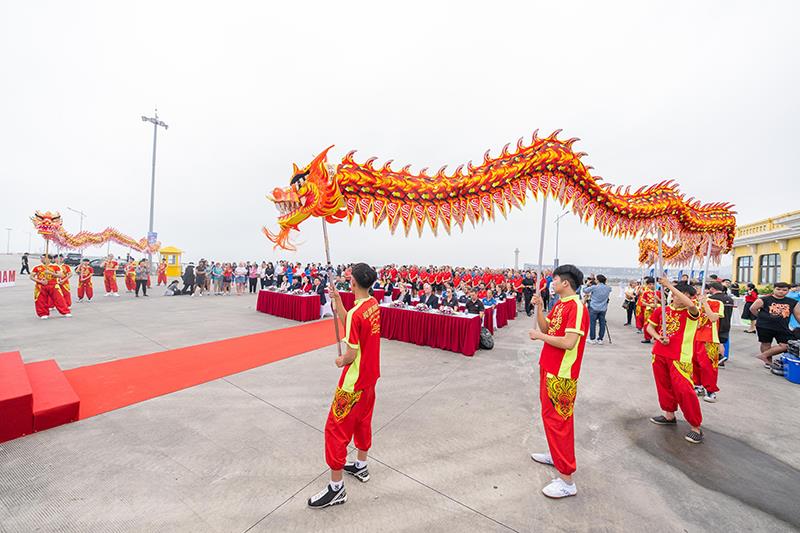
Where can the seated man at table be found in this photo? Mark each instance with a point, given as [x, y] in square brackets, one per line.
[450, 300]
[342, 284]
[488, 300]
[319, 288]
[474, 305]
[428, 298]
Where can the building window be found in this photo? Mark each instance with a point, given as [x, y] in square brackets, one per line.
[796, 267]
[744, 269]
[770, 268]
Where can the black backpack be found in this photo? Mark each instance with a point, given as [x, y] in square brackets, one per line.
[487, 341]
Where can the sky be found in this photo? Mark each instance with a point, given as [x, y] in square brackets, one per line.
[701, 92]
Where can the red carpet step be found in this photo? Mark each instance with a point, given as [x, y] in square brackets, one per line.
[16, 398]
[54, 400]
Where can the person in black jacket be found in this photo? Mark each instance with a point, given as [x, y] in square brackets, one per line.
[188, 279]
[528, 288]
[429, 299]
[319, 288]
[449, 299]
[25, 269]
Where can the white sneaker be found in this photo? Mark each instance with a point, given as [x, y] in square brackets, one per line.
[543, 458]
[599, 341]
[68, 315]
[711, 397]
[45, 317]
[116, 294]
[108, 294]
[558, 488]
[592, 341]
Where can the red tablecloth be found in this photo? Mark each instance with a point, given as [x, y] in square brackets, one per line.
[296, 307]
[395, 293]
[511, 308]
[348, 299]
[500, 311]
[454, 333]
[379, 294]
[488, 319]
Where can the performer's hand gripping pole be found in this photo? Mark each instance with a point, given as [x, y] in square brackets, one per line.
[330, 285]
[661, 274]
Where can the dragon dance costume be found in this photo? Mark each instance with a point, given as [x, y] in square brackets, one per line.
[705, 362]
[63, 282]
[558, 380]
[162, 274]
[350, 416]
[672, 363]
[110, 276]
[47, 292]
[648, 299]
[85, 288]
[130, 276]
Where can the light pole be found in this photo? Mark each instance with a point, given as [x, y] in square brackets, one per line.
[81, 213]
[156, 123]
[516, 258]
[558, 221]
[8, 242]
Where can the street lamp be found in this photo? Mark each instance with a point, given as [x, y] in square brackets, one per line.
[558, 221]
[156, 123]
[8, 241]
[81, 213]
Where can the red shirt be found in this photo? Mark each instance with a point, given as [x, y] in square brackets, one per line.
[363, 333]
[110, 266]
[499, 278]
[681, 328]
[393, 273]
[439, 277]
[413, 273]
[708, 331]
[84, 273]
[751, 296]
[45, 273]
[569, 315]
[457, 281]
[487, 277]
[517, 282]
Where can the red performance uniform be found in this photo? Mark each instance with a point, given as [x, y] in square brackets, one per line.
[644, 309]
[672, 363]
[47, 294]
[110, 275]
[85, 282]
[130, 277]
[63, 283]
[162, 274]
[499, 278]
[350, 416]
[558, 380]
[487, 277]
[705, 363]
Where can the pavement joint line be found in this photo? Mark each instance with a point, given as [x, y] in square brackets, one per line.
[111, 317]
[301, 489]
[440, 493]
[412, 404]
[257, 397]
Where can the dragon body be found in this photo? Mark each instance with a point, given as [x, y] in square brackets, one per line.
[678, 254]
[49, 225]
[547, 166]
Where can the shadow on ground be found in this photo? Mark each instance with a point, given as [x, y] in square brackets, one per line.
[726, 465]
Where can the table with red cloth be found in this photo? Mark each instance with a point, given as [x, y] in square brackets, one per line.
[301, 307]
[511, 308]
[395, 293]
[349, 297]
[488, 319]
[456, 333]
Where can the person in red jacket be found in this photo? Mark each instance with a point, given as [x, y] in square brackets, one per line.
[350, 414]
[85, 288]
[46, 291]
[110, 275]
[162, 272]
[563, 332]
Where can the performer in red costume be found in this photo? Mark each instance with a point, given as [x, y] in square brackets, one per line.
[350, 415]
[672, 359]
[46, 292]
[63, 279]
[162, 272]
[705, 362]
[130, 276]
[564, 335]
[85, 288]
[110, 275]
[647, 302]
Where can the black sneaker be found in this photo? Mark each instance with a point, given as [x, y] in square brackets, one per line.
[327, 497]
[700, 390]
[646, 341]
[662, 420]
[361, 474]
[694, 437]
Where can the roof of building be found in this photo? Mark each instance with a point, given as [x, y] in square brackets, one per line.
[785, 226]
[170, 250]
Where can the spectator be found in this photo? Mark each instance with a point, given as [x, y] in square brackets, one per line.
[252, 277]
[598, 295]
[227, 278]
[405, 294]
[188, 279]
[450, 300]
[630, 301]
[428, 298]
[200, 278]
[240, 276]
[773, 312]
[528, 285]
[216, 278]
[794, 294]
[319, 289]
[735, 289]
[25, 269]
[141, 277]
[489, 300]
[474, 305]
[749, 298]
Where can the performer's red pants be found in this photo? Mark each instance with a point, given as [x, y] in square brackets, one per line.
[85, 289]
[356, 424]
[110, 279]
[557, 416]
[705, 363]
[640, 320]
[130, 283]
[47, 296]
[162, 278]
[66, 293]
[675, 389]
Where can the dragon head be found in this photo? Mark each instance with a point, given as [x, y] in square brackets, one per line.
[312, 192]
[47, 223]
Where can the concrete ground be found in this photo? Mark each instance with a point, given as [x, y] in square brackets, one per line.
[452, 437]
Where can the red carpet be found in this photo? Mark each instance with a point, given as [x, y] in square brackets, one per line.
[108, 386]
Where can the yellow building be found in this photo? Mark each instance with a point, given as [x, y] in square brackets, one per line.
[768, 251]
[173, 256]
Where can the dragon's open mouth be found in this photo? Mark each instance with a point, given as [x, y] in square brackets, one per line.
[287, 208]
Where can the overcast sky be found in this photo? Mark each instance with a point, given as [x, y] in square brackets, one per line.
[702, 92]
